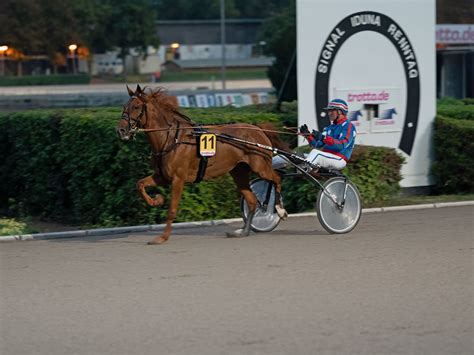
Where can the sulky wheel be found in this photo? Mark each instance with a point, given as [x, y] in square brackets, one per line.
[333, 218]
[265, 219]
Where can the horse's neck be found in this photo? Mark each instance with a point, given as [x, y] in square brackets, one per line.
[165, 133]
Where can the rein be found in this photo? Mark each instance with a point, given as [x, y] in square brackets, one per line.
[168, 147]
[293, 130]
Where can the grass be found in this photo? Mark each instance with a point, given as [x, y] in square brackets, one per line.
[195, 75]
[12, 227]
[210, 75]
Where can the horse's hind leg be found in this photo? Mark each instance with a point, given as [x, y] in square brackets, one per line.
[149, 181]
[241, 174]
[270, 175]
[176, 191]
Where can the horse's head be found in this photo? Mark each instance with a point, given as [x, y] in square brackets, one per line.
[134, 114]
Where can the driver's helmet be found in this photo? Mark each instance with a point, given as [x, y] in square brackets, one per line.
[338, 104]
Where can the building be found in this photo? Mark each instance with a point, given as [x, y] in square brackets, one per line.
[455, 60]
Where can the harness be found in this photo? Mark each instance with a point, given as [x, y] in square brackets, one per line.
[197, 131]
[170, 146]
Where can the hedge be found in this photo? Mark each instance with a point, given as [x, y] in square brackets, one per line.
[69, 166]
[453, 145]
[56, 79]
[460, 112]
[454, 149]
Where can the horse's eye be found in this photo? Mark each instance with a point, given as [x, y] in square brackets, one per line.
[136, 107]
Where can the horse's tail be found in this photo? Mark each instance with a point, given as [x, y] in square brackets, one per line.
[270, 131]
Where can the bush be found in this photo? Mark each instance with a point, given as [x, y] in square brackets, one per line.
[454, 149]
[449, 101]
[468, 101]
[461, 112]
[12, 227]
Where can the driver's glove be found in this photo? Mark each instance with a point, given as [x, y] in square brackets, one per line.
[318, 136]
[304, 130]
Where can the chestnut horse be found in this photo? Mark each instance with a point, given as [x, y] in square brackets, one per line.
[175, 159]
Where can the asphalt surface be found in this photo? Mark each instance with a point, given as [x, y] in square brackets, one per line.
[400, 283]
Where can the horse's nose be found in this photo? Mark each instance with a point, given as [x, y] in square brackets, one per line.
[121, 132]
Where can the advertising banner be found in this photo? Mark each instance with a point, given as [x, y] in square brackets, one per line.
[235, 99]
[455, 34]
[373, 110]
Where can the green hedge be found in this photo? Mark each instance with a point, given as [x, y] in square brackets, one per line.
[68, 165]
[57, 79]
[460, 112]
[454, 149]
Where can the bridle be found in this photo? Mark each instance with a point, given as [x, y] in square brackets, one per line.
[135, 126]
[134, 123]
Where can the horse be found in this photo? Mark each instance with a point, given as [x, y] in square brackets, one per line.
[175, 162]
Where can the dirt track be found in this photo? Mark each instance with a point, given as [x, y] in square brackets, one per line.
[401, 283]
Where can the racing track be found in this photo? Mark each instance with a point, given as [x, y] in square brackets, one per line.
[401, 282]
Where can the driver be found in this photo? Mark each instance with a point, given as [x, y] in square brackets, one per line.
[335, 142]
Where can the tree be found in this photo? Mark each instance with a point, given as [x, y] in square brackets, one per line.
[21, 39]
[458, 12]
[32, 27]
[49, 26]
[279, 33]
[93, 19]
[131, 24]
[261, 8]
[210, 9]
[193, 10]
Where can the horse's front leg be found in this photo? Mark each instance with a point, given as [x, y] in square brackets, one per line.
[149, 181]
[280, 209]
[177, 187]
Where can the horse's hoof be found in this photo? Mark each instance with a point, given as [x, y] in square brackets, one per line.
[239, 233]
[158, 200]
[158, 241]
[281, 212]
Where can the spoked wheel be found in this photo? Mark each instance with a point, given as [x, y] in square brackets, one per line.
[265, 219]
[334, 219]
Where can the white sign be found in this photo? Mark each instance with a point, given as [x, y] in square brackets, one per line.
[379, 57]
[455, 34]
[373, 110]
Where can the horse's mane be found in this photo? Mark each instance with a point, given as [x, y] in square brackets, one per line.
[164, 102]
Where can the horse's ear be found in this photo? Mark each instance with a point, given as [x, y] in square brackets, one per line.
[130, 92]
[139, 89]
